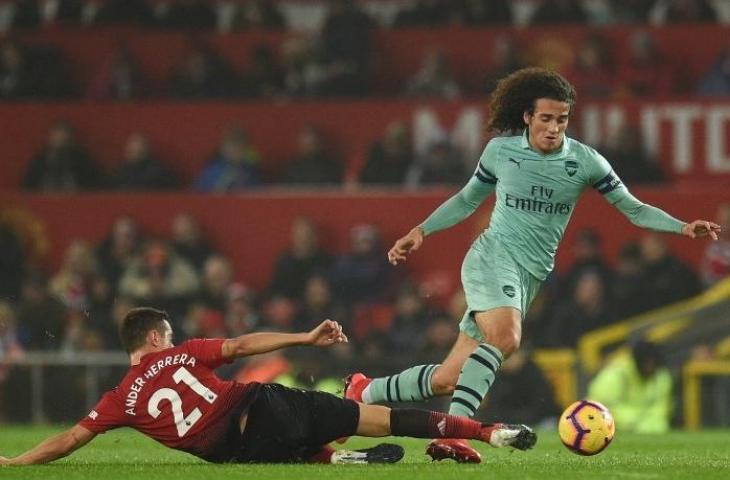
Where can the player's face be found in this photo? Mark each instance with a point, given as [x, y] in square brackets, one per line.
[547, 124]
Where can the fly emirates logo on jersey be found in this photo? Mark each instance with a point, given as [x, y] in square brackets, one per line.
[152, 371]
[540, 201]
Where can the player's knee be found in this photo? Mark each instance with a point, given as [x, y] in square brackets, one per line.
[442, 382]
[507, 342]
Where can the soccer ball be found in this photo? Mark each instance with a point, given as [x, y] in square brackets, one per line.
[586, 427]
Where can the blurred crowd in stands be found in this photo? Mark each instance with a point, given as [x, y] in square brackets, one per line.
[239, 15]
[62, 164]
[341, 58]
[78, 307]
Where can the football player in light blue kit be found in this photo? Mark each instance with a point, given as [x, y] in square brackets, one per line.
[538, 176]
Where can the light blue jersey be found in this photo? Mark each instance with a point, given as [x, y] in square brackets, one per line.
[536, 195]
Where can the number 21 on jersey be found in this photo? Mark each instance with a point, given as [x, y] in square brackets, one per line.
[183, 423]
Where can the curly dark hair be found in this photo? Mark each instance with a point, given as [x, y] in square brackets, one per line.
[517, 93]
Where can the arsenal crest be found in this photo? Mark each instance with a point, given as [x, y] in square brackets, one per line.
[571, 166]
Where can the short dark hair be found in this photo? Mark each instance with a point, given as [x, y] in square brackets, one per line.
[518, 92]
[137, 323]
[645, 351]
[648, 357]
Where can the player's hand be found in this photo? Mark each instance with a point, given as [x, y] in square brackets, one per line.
[326, 333]
[701, 228]
[4, 461]
[406, 245]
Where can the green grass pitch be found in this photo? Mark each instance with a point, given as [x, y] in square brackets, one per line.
[125, 454]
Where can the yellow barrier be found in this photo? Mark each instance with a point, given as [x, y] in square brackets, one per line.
[592, 344]
[692, 378]
[722, 348]
[559, 366]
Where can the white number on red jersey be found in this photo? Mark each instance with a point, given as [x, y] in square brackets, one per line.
[183, 423]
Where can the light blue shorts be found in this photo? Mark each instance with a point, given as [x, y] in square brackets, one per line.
[492, 278]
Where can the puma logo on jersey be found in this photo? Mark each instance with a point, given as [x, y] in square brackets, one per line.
[516, 162]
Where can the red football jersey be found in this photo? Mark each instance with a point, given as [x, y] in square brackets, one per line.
[174, 397]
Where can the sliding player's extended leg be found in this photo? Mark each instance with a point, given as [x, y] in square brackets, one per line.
[378, 421]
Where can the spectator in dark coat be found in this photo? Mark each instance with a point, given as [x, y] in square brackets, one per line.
[189, 242]
[117, 251]
[389, 159]
[631, 11]
[628, 287]
[363, 275]
[668, 279]
[441, 164]
[559, 11]
[588, 258]
[630, 159]
[62, 165]
[484, 12]
[313, 164]
[266, 78]
[684, 11]
[506, 59]
[234, 15]
[424, 13]
[190, 14]
[23, 14]
[110, 12]
[587, 309]
[203, 74]
[41, 318]
[318, 303]
[140, 170]
[346, 50]
[118, 79]
[304, 258]
[215, 282]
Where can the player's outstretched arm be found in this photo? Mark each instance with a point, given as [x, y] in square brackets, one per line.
[325, 334]
[648, 216]
[452, 211]
[53, 448]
